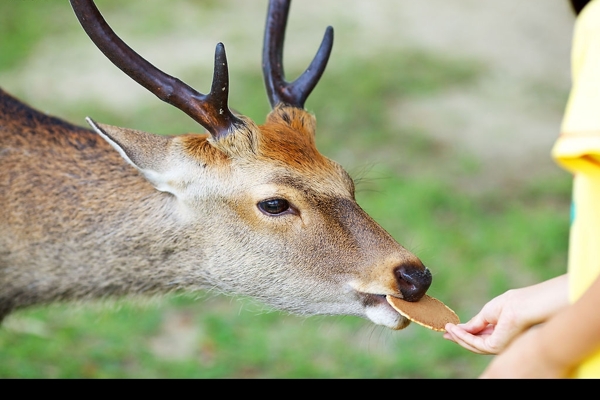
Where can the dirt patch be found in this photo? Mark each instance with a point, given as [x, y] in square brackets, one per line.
[511, 118]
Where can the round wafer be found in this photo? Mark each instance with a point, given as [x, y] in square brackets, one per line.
[428, 312]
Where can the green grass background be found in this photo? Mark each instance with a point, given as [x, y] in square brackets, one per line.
[478, 243]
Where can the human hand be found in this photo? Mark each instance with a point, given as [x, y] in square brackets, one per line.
[506, 316]
[492, 329]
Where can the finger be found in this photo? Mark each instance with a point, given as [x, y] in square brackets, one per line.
[474, 343]
[476, 324]
[464, 344]
[456, 339]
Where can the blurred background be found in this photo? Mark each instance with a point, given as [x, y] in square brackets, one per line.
[443, 111]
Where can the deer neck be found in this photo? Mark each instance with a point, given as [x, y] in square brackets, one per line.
[112, 241]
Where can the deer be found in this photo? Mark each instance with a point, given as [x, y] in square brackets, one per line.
[242, 209]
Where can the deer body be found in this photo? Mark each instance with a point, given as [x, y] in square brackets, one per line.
[244, 209]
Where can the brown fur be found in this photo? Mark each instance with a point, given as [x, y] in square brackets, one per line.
[289, 138]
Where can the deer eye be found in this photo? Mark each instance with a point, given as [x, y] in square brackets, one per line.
[274, 206]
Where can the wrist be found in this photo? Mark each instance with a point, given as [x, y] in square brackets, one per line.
[521, 309]
[533, 305]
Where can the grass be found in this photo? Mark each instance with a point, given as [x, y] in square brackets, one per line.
[478, 244]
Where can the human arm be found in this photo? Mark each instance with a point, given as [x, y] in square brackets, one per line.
[508, 315]
[553, 349]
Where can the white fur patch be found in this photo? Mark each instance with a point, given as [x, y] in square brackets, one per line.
[382, 315]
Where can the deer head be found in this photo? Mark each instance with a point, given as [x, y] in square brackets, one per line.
[244, 209]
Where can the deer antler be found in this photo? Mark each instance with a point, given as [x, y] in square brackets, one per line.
[210, 110]
[278, 90]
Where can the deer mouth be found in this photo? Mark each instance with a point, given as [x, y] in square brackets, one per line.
[372, 299]
[380, 312]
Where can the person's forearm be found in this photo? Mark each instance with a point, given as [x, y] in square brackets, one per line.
[573, 333]
[542, 301]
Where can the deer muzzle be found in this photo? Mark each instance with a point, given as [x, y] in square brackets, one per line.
[412, 280]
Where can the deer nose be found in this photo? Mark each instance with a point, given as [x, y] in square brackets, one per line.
[413, 280]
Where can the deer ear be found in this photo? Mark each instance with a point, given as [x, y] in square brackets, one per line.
[147, 152]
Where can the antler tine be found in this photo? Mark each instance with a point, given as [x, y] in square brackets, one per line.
[211, 110]
[278, 90]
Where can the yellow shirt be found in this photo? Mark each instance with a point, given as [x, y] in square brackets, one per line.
[578, 150]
